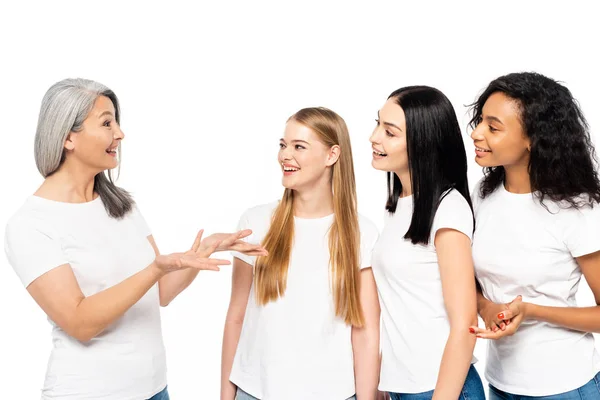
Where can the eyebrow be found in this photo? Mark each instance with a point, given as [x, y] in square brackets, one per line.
[105, 113]
[389, 123]
[295, 141]
[494, 119]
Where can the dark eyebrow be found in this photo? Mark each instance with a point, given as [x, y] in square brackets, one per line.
[389, 123]
[493, 119]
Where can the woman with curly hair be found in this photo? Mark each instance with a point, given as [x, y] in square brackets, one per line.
[538, 232]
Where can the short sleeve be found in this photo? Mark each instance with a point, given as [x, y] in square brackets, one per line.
[368, 238]
[138, 220]
[582, 235]
[32, 248]
[453, 213]
[244, 223]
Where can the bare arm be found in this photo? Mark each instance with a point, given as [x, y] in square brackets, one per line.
[171, 285]
[241, 283]
[584, 319]
[365, 340]
[458, 286]
[59, 295]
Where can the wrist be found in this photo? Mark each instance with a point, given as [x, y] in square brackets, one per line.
[528, 310]
[156, 271]
[482, 304]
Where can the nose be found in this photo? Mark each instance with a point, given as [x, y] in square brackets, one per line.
[119, 134]
[285, 153]
[376, 135]
[477, 133]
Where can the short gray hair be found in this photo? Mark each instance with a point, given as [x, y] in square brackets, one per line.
[64, 108]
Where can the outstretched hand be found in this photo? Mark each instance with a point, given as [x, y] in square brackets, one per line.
[232, 242]
[197, 257]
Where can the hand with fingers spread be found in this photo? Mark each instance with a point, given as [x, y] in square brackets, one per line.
[233, 242]
[501, 319]
[197, 257]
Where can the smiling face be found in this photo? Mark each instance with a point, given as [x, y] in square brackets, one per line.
[95, 145]
[388, 140]
[499, 137]
[305, 160]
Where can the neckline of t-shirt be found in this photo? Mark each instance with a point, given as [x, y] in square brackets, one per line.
[404, 202]
[502, 188]
[39, 199]
[309, 220]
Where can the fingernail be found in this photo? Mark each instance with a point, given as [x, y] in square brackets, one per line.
[501, 316]
[471, 330]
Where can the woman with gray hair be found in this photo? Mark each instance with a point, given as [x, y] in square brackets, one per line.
[86, 255]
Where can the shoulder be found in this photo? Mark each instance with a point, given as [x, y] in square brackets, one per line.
[258, 218]
[261, 212]
[476, 193]
[454, 202]
[368, 230]
[455, 213]
[29, 218]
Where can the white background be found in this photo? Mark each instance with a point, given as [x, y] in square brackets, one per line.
[205, 92]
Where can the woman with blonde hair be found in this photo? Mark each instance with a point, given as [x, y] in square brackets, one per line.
[303, 322]
[86, 255]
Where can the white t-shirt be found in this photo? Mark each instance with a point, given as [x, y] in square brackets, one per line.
[127, 360]
[295, 348]
[520, 248]
[415, 324]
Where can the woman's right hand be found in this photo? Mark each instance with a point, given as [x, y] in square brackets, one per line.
[489, 314]
[196, 257]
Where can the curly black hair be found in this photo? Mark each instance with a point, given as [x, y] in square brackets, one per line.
[562, 164]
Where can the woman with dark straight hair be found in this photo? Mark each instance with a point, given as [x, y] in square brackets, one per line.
[422, 261]
[538, 232]
[84, 252]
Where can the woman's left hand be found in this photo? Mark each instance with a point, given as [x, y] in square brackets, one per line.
[233, 242]
[512, 318]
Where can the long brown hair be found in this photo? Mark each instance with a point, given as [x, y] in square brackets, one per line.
[270, 278]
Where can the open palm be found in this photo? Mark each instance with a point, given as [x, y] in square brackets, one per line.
[197, 257]
[232, 242]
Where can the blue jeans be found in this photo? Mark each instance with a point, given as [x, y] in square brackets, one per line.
[589, 391]
[472, 390]
[163, 395]
[241, 395]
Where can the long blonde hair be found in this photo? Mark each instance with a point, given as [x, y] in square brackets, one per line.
[270, 278]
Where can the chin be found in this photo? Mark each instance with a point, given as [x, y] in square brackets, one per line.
[110, 166]
[286, 183]
[483, 164]
[378, 166]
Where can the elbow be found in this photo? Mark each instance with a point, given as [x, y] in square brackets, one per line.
[81, 334]
[461, 333]
[163, 299]
[164, 302]
[368, 334]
